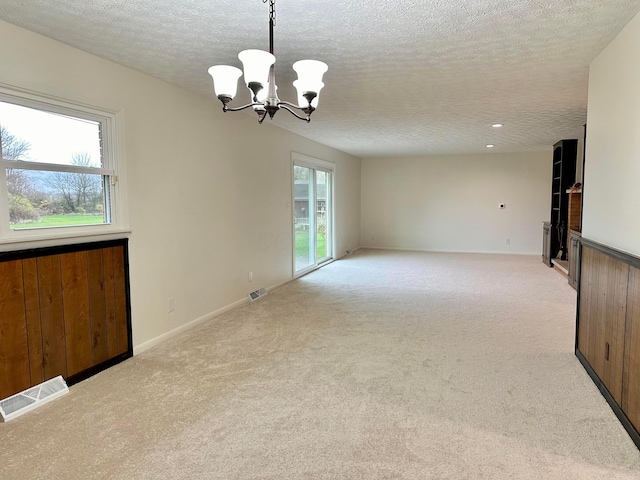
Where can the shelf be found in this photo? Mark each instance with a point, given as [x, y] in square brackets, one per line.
[563, 177]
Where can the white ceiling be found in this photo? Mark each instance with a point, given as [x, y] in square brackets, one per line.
[406, 77]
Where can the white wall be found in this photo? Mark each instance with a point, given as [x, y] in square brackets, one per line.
[450, 203]
[208, 191]
[612, 166]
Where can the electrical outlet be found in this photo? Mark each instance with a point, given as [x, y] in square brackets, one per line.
[170, 304]
[373, 237]
[250, 277]
[508, 241]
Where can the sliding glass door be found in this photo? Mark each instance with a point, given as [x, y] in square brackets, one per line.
[312, 218]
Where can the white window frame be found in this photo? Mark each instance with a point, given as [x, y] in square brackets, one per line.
[112, 166]
[298, 159]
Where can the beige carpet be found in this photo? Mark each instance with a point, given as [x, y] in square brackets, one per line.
[383, 365]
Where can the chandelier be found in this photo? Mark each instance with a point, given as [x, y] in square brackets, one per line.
[260, 78]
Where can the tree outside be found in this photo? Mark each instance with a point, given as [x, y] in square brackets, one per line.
[43, 198]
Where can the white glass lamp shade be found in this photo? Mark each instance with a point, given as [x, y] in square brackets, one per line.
[303, 87]
[225, 80]
[310, 70]
[256, 65]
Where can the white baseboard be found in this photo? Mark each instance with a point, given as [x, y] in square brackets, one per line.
[344, 254]
[138, 349]
[278, 285]
[144, 346]
[482, 252]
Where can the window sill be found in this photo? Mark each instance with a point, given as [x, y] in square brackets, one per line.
[57, 239]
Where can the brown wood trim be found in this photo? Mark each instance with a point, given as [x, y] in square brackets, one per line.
[59, 249]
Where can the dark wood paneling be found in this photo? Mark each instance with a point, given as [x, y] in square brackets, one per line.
[587, 324]
[97, 306]
[122, 328]
[603, 298]
[32, 312]
[63, 311]
[54, 349]
[110, 296]
[615, 312]
[14, 350]
[75, 295]
[631, 389]
[608, 328]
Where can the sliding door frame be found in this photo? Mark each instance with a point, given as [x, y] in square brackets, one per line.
[300, 160]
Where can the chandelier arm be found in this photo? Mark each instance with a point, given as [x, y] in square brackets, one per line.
[288, 104]
[227, 108]
[306, 119]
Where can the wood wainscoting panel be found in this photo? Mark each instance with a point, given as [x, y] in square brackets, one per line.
[120, 292]
[616, 315]
[110, 306]
[32, 312]
[54, 348]
[608, 328]
[14, 349]
[75, 297]
[587, 306]
[631, 388]
[603, 297]
[63, 311]
[97, 306]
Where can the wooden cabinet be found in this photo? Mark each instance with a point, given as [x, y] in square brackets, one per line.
[563, 177]
[574, 258]
[63, 311]
[608, 328]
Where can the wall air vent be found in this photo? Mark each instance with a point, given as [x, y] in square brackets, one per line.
[31, 398]
[253, 296]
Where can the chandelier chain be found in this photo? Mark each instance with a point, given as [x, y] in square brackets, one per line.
[272, 10]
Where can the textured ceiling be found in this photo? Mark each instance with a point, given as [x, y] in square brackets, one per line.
[405, 77]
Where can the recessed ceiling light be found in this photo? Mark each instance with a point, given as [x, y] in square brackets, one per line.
[490, 145]
[497, 125]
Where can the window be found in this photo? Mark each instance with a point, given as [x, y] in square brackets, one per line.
[312, 212]
[58, 173]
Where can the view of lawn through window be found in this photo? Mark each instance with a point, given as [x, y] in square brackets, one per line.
[311, 216]
[54, 169]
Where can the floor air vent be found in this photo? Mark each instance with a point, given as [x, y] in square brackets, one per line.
[257, 294]
[31, 398]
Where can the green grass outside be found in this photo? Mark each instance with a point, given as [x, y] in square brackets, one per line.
[302, 245]
[61, 221]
